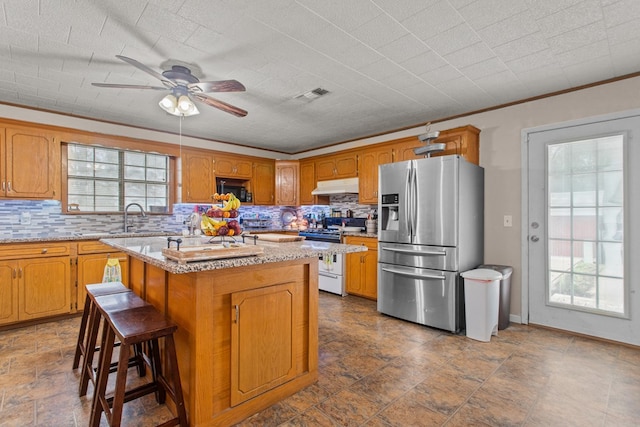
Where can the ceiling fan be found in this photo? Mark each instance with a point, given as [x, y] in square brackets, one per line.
[184, 86]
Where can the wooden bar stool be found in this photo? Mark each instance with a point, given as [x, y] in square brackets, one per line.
[93, 291]
[136, 326]
[99, 307]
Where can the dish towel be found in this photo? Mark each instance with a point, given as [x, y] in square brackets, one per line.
[112, 271]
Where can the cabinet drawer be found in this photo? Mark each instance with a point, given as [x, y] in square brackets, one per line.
[34, 250]
[94, 247]
[370, 242]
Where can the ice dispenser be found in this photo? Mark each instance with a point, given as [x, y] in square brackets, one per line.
[389, 215]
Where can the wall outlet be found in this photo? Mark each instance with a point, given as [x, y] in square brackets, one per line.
[179, 218]
[508, 221]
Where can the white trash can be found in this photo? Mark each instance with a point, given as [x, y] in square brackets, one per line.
[481, 301]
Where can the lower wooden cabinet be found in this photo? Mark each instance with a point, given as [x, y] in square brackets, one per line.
[264, 342]
[361, 274]
[34, 288]
[42, 280]
[43, 287]
[8, 292]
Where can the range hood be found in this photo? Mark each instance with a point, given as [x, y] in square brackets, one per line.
[336, 186]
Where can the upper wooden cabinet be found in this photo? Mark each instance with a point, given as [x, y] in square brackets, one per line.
[370, 159]
[336, 166]
[30, 164]
[263, 182]
[287, 182]
[232, 166]
[198, 179]
[308, 184]
[463, 141]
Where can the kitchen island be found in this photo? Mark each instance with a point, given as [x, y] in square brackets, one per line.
[247, 327]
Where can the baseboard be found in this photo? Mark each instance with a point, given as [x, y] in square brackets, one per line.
[514, 318]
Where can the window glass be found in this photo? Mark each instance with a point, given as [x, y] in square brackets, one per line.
[106, 179]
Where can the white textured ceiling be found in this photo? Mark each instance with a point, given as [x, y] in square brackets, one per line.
[388, 64]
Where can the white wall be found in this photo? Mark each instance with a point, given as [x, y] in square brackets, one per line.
[500, 153]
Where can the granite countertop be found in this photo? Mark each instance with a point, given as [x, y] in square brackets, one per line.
[61, 237]
[149, 249]
[360, 234]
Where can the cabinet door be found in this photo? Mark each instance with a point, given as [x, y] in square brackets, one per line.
[32, 161]
[232, 167]
[353, 273]
[91, 270]
[368, 182]
[263, 183]
[287, 183]
[308, 184]
[362, 268]
[404, 149]
[370, 274]
[347, 165]
[337, 167]
[263, 340]
[8, 292]
[44, 287]
[198, 181]
[325, 169]
[463, 141]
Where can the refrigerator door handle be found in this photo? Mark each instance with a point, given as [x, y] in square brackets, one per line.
[414, 275]
[414, 252]
[414, 202]
[407, 204]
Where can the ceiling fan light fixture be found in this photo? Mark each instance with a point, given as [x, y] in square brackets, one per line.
[168, 104]
[186, 107]
[178, 106]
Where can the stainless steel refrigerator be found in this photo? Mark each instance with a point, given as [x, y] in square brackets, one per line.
[431, 222]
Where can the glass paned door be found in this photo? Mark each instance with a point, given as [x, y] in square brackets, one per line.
[581, 231]
[585, 215]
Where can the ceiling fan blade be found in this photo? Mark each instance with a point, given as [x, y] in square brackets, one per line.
[128, 86]
[217, 86]
[147, 70]
[216, 103]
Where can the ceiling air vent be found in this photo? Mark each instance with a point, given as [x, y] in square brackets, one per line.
[313, 94]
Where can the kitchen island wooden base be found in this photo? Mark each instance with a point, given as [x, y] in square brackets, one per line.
[247, 336]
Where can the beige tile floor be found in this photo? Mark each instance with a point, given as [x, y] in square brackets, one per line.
[374, 371]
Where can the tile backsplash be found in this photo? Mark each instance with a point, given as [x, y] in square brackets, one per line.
[40, 218]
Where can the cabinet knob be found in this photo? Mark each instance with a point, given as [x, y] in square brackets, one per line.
[44, 251]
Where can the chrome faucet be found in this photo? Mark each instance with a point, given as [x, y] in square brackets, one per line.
[126, 215]
[193, 223]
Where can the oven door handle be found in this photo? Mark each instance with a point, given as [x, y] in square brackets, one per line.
[414, 275]
[332, 276]
[414, 252]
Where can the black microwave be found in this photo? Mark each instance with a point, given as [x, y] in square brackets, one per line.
[239, 192]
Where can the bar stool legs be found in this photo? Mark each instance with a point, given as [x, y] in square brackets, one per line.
[99, 306]
[94, 290]
[136, 326]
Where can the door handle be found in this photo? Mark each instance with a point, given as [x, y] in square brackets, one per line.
[332, 276]
[414, 275]
[534, 238]
[415, 252]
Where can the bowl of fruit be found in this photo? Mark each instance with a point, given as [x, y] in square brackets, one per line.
[221, 219]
